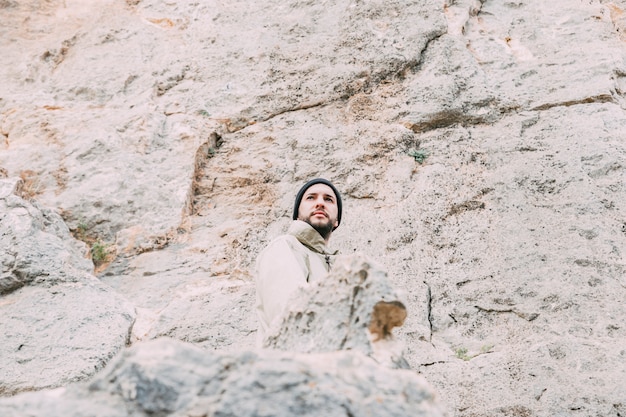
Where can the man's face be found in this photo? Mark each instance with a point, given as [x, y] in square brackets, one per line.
[319, 209]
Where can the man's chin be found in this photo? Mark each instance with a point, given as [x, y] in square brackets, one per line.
[323, 226]
[318, 221]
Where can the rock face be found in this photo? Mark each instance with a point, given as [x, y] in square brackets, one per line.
[129, 175]
[167, 377]
[355, 309]
[480, 148]
[28, 230]
[59, 322]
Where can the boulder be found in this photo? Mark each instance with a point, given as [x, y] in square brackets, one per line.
[354, 308]
[38, 245]
[59, 322]
[165, 377]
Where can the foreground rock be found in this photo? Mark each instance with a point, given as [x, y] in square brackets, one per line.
[166, 377]
[59, 323]
[355, 308]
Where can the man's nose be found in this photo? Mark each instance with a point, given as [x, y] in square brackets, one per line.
[319, 202]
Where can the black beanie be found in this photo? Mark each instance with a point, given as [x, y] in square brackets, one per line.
[306, 187]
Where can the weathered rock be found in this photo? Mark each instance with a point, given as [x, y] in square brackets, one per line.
[128, 174]
[536, 212]
[354, 308]
[479, 146]
[37, 245]
[166, 377]
[59, 322]
[177, 294]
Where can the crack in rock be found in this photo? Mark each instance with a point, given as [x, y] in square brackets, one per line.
[429, 309]
[525, 316]
[600, 98]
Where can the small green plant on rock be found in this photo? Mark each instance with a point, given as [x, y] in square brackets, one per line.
[486, 348]
[99, 252]
[461, 353]
[80, 232]
[419, 155]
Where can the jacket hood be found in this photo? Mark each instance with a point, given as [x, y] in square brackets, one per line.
[309, 237]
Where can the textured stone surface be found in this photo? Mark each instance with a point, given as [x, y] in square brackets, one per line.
[167, 377]
[38, 246]
[128, 174]
[59, 322]
[354, 309]
[479, 145]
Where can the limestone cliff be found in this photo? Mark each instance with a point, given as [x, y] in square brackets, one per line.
[480, 147]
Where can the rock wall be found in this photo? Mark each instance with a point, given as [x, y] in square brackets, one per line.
[479, 147]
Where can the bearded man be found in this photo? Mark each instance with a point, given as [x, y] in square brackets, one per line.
[301, 256]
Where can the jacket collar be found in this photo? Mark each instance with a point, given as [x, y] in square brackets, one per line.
[309, 237]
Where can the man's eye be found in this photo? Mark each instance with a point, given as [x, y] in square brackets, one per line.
[329, 199]
[310, 197]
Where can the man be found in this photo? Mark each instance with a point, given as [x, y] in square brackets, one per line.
[301, 256]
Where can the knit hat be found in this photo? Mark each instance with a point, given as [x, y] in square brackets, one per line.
[306, 187]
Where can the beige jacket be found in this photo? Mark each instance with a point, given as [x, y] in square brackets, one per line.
[288, 262]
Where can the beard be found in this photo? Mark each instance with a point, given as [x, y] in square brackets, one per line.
[324, 229]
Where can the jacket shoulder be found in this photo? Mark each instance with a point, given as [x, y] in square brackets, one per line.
[281, 243]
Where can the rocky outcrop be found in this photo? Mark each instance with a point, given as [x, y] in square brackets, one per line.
[166, 377]
[355, 309]
[337, 361]
[28, 230]
[59, 322]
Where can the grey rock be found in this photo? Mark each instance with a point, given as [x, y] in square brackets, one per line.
[165, 377]
[176, 295]
[59, 334]
[354, 308]
[38, 246]
[59, 322]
